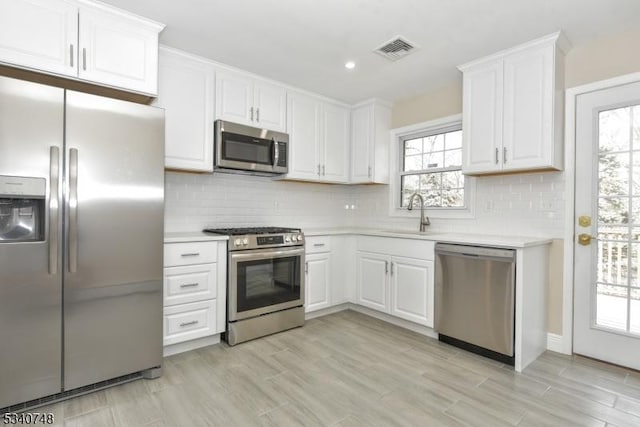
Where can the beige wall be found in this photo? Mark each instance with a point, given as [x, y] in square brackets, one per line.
[600, 59]
[603, 58]
[441, 103]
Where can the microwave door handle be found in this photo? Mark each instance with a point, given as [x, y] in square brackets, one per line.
[276, 152]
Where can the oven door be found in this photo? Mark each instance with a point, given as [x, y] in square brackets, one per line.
[265, 280]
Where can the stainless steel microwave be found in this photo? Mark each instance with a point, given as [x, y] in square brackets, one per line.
[245, 148]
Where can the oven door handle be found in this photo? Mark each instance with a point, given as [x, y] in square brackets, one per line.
[266, 254]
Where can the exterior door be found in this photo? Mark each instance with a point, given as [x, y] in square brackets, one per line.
[31, 137]
[607, 286]
[115, 217]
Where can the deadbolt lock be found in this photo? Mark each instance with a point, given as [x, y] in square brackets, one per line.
[584, 221]
[584, 239]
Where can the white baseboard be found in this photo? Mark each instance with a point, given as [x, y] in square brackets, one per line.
[555, 343]
[181, 347]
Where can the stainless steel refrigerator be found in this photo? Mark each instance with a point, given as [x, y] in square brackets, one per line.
[81, 235]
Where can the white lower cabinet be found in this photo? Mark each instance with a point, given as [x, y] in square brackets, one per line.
[373, 281]
[412, 290]
[186, 322]
[318, 271]
[394, 280]
[194, 291]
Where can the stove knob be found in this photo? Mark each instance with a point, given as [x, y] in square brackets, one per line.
[299, 237]
[237, 242]
[245, 241]
[287, 239]
[294, 238]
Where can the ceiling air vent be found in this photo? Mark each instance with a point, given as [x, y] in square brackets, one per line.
[396, 48]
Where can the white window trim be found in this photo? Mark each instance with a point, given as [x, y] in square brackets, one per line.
[394, 168]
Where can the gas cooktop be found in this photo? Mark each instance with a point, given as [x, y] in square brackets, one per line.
[251, 230]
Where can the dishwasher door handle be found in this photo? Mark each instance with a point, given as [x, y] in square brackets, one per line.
[475, 256]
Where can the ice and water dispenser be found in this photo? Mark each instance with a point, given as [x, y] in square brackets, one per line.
[22, 209]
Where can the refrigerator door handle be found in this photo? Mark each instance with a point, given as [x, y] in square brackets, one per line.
[54, 208]
[73, 210]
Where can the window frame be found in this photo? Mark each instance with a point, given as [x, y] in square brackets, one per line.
[396, 159]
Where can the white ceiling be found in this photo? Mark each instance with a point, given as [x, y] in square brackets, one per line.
[305, 43]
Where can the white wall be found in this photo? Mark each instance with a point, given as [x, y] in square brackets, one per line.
[194, 202]
[524, 204]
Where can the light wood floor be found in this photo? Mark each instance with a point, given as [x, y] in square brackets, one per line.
[348, 369]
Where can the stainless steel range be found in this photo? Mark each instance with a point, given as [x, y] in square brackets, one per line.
[265, 281]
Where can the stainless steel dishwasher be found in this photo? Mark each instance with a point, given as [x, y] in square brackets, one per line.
[475, 299]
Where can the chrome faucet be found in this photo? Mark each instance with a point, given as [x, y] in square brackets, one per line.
[424, 220]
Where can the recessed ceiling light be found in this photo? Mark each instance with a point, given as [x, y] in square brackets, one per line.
[350, 65]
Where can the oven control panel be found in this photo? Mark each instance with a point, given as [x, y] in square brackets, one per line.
[265, 241]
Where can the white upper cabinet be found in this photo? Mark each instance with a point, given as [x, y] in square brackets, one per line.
[40, 34]
[335, 148]
[81, 39]
[270, 103]
[318, 139]
[118, 51]
[186, 92]
[303, 124]
[254, 102]
[512, 109]
[370, 125]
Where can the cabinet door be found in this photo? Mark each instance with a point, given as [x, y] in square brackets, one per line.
[371, 279]
[528, 109]
[362, 144]
[482, 119]
[335, 147]
[40, 34]
[234, 98]
[318, 272]
[412, 290]
[118, 52]
[304, 136]
[186, 88]
[270, 104]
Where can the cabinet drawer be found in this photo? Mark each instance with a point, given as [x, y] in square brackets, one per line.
[189, 284]
[186, 322]
[317, 244]
[176, 254]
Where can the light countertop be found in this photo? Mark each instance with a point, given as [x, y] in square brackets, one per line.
[192, 236]
[444, 237]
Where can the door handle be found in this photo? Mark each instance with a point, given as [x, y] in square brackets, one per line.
[84, 58]
[251, 110]
[54, 208]
[276, 152]
[258, 114]
[504, 154]
[497, 156]
[323, 174]
[585, 239]
[73, 210]
[392, 268]
[306, 267]
[71, 55]
[318, 169]
[386, 267]
[369, 172]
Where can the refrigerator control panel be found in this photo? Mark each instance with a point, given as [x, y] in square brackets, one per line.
[22, 186]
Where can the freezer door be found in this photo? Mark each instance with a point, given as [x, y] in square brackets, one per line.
[31, 135]
[114, 238]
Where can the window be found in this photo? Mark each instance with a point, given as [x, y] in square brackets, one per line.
[431, 165]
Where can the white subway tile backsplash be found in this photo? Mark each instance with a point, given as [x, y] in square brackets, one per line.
[528, 204]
